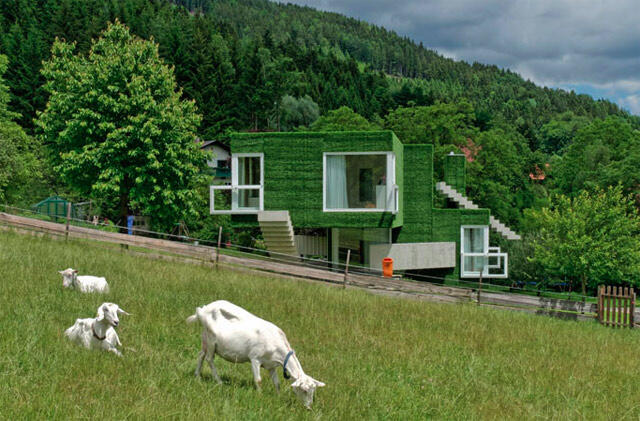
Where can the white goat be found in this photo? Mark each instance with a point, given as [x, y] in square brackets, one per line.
[99, 332]
[83, 283]
[238, 336]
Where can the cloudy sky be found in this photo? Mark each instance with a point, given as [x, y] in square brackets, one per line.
[590, 46]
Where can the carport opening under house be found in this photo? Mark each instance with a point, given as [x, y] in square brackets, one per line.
[321, 194]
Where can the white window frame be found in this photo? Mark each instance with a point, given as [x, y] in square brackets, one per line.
[392, 188]
[235, 188]
[487, 253]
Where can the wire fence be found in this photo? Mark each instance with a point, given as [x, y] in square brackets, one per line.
[297, 260]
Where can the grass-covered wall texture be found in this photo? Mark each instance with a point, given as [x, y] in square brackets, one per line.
[293, 174]
[418, 197]
[455, 172]
[293, 181]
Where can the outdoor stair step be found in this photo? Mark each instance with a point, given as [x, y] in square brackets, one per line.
[278, 233]
[465, 203]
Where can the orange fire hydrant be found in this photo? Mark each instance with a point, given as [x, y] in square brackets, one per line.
[387, 267]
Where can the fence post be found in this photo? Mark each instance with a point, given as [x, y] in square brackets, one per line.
[600, 303]
[346, 269]
[480, 284]
[218, 248]
[632, 309]
[66, 232]
[625, 301]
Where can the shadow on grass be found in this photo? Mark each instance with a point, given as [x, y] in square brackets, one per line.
[226, 380]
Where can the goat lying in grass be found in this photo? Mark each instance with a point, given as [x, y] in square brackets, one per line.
[85, 283]
[238, 336]
[99, 332]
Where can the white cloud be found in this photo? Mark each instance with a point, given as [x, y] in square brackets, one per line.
[631, 103]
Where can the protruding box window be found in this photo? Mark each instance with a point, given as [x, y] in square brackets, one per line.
[359, 182]
[476, 257]
[246, 192]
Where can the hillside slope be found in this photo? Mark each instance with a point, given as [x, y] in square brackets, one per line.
[381, 358]
[216, 43]
[487, 86]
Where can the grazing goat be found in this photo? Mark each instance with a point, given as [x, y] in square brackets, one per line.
[238, 336]
[99, 332]
[84, 283]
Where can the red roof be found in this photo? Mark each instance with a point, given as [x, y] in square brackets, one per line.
[537, 173]
[470, 150]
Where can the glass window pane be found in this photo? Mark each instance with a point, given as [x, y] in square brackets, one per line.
[473, 240]
[222, 199]
[249, 198]
[249, 171]
[473, 264]
[356, 182]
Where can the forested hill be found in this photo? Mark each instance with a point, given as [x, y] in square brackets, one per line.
[491, 89]
[217, 45]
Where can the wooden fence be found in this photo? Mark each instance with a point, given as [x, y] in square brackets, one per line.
[192, 253]
[616, 306]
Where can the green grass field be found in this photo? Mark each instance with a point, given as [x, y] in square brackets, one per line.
[382, 358]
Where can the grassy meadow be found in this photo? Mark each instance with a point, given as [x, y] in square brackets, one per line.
[381, 357]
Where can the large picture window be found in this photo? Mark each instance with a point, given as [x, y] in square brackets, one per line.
[359, 182]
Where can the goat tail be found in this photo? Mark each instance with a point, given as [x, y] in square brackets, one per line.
[197, 316]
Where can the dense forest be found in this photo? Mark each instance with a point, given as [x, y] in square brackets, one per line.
[258, 65]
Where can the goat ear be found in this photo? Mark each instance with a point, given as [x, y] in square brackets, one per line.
[121, 311]
[319, 383]
[101, 312]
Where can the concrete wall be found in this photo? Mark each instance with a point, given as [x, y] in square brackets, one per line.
[408, 256]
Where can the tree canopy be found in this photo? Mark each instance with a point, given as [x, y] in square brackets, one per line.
[603, 153]
[342, 119]
[589, 240]
[118, 129]
[20, 169]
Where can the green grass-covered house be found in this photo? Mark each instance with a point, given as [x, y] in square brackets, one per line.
[321, 194]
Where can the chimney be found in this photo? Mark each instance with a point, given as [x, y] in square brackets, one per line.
[455, 171]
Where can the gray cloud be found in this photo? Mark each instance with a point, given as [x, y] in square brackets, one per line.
[552, 42]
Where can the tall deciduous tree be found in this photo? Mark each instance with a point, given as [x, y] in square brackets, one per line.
[118, 128]
[604, 153]
[590, 239]
[298, 112]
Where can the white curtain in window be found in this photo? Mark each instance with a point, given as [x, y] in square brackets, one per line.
[473, 240]
[474, 243]
[337, 182]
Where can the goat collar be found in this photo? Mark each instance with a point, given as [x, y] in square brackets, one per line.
[284, 366]
[95, 335]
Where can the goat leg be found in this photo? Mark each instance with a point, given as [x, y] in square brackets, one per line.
[199, 366]
[255, 368]
[275, 379]
[214, 370]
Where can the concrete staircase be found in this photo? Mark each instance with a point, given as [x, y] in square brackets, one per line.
[465, 203]
[278, 233]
